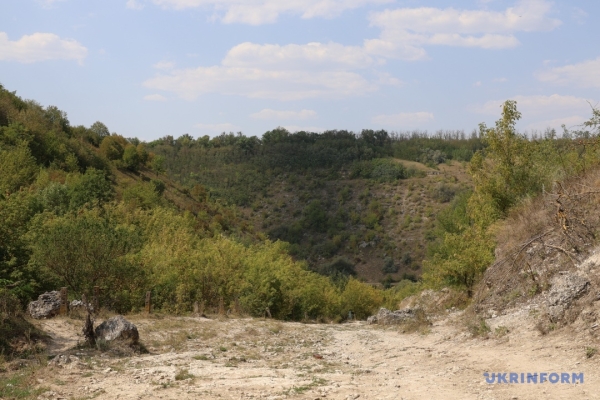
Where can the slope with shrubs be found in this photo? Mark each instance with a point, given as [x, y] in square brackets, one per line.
[347, 203]
[532, 213]
[81, 207]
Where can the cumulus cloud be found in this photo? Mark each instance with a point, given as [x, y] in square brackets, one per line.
[540, 112]
[257, 12]
[403, 120]
[571, 122]
[538, 105]
[586, 74]
[405, 31]
[49, 3]
[310, 55]
[155, 97]
[164, 65]
[134, 5]
[40, 47]
[269, 114]
[261, 83]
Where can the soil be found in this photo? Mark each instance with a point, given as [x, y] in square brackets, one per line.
[243, 358]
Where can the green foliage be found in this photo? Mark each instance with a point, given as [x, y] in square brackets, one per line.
[460, 260]
[315, 216]
[84, 250]
[131, 157]
[388, 266]
[17, 168]
[144, 195]
[91, 188]
[360, 298]
[381, 170]
[112, 147]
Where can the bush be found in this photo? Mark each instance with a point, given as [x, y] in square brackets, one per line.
[360, 298]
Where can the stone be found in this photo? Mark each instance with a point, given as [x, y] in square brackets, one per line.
[46, 306]
[566, 287]
[117, 328]
[387, 317]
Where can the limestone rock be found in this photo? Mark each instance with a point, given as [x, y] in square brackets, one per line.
[387, 317]
[117, 328]
[566, 288]
[46, 306]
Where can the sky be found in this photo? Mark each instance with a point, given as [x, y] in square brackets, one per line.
[151, 68]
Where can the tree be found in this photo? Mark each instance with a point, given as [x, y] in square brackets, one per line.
[507, 172]
[100, 130]
[131, 158]
[84, 250]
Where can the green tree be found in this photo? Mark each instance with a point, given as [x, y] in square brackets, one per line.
[131, 158]
[17, 168]
[92, 188]
[507, 173]
[84, 250]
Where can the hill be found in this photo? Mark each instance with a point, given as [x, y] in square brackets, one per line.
[347, 203]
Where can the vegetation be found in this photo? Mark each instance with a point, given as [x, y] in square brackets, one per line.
[289, 225]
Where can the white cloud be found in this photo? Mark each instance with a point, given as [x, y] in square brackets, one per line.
[586, 74]
[538, 105]
[48, 3]
[570, 122]
[541, 112]
[406, 30]
[155, 97]
[403, 120]
[40, 47]
[164, 65]
[579, 16]
[219, 128]
[134, 5]
[311, 55]
[500, 80]
[257, 12]
[261, 83]
[270, 114]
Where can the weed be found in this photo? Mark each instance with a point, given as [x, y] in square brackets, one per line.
[479, 327]
[590, 352]
[501, 331]
[183, 374]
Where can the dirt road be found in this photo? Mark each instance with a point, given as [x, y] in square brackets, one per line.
[197, 358]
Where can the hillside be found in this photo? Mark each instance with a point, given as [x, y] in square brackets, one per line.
[348, 204]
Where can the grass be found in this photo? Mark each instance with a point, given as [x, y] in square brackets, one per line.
[183, 374]
[590, 352]
[18, 385]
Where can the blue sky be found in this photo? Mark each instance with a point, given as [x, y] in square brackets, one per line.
[150, 68]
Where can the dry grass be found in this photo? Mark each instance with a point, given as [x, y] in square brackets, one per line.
[553, 232]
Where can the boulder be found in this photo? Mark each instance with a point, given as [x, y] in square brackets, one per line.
[387, 317]
[46, 306]
[117, 328]
[566, 287]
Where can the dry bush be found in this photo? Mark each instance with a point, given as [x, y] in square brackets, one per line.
[553, 232]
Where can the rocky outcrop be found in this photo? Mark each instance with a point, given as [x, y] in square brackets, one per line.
[566, 287]
[117, 328]
[46, 306]
[387, 317]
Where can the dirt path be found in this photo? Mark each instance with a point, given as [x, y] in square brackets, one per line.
[245, 358]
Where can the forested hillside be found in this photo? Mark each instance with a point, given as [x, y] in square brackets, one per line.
[292, 225]
[81, 207]
[349, 204]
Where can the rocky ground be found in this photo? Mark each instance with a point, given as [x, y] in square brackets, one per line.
[239, 358]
